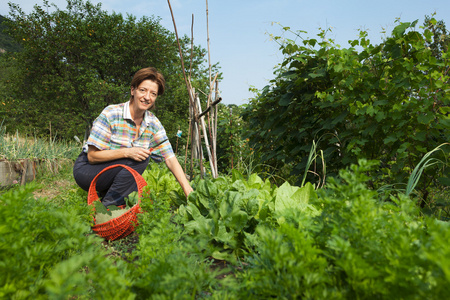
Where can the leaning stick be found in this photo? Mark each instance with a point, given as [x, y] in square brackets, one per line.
[191, 101]
[189, 88]
[192, 46]
[209, 54]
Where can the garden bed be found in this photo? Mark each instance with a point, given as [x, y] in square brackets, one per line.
[18, 171]
[21, 171]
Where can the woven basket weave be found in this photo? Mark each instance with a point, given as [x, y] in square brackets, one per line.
[124, 224]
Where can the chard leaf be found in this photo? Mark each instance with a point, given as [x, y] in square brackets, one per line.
[290, 198]
[265, 196]
[206, 194]
[112, 208]
[236, 175]
[264, 210]
[132, 199]
[185, 216]
[221, 255]
[192, 226]
[254, 181]
[252, 206]
[248, 195]
[193, 211]
[177, 198]
[201, 225]
[231, 213]
[100, 208]
[239, 186]
[221, 183]
[228, 204]
[267, 187]
[224, 236]
[238, 220]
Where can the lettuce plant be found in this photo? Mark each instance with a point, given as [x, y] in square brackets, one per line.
[227, 210]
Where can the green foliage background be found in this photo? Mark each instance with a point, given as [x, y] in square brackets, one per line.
[6, 42]
[76, 61]
[388, 102]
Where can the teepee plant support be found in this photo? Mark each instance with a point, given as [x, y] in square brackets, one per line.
[196, 116]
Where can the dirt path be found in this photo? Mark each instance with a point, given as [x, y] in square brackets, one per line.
[54, 188]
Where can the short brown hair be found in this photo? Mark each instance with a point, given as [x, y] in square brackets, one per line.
[149, 74]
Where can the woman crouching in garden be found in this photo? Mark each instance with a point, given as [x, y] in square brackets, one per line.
[123, 134]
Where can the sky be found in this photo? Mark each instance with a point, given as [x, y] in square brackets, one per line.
[240, 31]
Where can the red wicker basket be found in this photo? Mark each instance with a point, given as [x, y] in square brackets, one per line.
[124, 224]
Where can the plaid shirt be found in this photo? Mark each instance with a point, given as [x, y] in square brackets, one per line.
[114, 129]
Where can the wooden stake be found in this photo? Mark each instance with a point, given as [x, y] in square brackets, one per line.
[216, 109]
[209, 52]
[192, 46]
[202, 120]
[188, 85]
[181, 56]
[187, 145]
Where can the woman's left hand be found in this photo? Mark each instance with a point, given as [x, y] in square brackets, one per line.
[174, 166]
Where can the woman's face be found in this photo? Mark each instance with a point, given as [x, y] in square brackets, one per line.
[144, 96]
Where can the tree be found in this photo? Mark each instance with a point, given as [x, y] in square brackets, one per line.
[440, 38]
[6, 42]
[386, 102]
[77, 61]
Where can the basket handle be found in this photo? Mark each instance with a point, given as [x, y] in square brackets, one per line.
[140, 181]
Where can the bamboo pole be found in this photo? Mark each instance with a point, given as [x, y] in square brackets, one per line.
[210, 84]
[209, 51]
[191, 101]
[191, 112]
[192, 46]
[210, 125]
[216, 116]
[231, 137]
[187, 143]
[202, 120]
[188, 85]
[197, 152]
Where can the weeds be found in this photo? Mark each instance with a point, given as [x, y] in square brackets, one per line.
[426, 162]
[438, 204]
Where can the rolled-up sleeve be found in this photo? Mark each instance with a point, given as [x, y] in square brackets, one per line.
[165, 149]
[100, 133]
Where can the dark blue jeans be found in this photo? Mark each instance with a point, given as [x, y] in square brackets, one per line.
[113, 185]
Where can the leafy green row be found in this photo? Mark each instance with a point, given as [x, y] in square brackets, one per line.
[356, 248]
[280, 242]
[49, 250]
[341, 242]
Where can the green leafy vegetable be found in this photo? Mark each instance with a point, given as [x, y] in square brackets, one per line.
[132, 199]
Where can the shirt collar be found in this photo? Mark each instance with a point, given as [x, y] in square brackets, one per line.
[126, 111]
[127, 114]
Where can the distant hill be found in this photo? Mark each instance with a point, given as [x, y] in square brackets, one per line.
[7, 44]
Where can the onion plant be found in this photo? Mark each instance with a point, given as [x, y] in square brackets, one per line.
[51, 153]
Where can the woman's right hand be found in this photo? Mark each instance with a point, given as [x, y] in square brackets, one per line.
[137, 153]
[96, 156]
